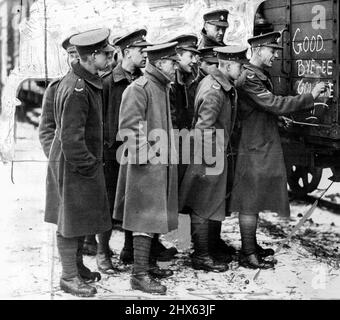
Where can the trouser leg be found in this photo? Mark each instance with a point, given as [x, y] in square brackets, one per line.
[90, 245]
[263, 252]
[85, 273]
[250, 257]
[67, 248]
[126, 255]
[201, 259]
[141, 254]
[103, 258]
[218, 249]
[103, 242]
[248, 226]
[200, 235]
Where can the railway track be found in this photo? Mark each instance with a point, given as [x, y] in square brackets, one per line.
[323, 204]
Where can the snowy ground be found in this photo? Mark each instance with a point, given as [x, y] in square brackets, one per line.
[308, 268]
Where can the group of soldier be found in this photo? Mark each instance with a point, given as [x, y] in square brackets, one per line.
[207, 88]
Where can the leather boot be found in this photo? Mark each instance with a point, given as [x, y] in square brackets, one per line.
[254, 261]
[70, 281]
[200, 258]
[126, 255]
[104, 263]
[77, 287]
[264, 252]
[159, 251]
[141, 279]
[144, 282]
[90, 245]
[156, 272]
[85, 273]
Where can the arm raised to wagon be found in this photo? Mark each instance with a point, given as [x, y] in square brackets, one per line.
[264, 99]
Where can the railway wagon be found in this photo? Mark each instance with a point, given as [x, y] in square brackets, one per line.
[310, 37]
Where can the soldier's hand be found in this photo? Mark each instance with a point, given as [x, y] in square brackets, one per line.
[285, 122]
[318, 89]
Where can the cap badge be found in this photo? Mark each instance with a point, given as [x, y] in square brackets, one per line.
[221, 17]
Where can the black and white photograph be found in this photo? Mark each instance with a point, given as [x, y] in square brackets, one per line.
[177, 150]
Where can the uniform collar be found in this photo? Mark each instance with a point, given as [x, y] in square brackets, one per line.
[261, 73]
[81, 72]
[152, 72]
[119, 74]
[220, 78]
[188, 78]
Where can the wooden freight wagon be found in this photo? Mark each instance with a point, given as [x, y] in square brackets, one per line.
[310, 37]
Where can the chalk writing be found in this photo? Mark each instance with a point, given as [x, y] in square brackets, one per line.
[319, 20]
[312, 68]
[305, 86]
[314, 43]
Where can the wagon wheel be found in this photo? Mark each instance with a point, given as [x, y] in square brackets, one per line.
[303, 180]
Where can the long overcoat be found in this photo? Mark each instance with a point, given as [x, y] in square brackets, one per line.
[114, 84]
[146, 197]
[75, 160]
[260, 176]
[215, 108]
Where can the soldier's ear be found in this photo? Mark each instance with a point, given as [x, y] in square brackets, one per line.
[92, 56]
[126, 52]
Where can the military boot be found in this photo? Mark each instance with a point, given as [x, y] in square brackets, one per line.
[264, 252]
[156, 272]
[200, 258]
[140, 278]
[70, 281]
[77, 287]
[160, 252]
[254, 261]
[144, 282]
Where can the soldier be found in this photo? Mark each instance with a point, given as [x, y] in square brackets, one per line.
[204, 193]
[215, 25]
[76, 199]
[260, 178]
[146, 198]
[47, 128]
[217, 247]
[114, 84]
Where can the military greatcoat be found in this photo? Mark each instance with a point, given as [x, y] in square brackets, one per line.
[76, 158]
[260, 176]
[215, 109]
[146, 197]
